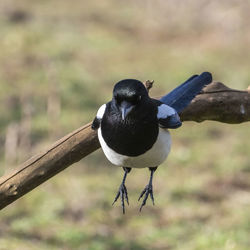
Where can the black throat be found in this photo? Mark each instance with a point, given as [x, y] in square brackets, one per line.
[134, 135]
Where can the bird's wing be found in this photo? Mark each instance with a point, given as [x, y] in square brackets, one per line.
[167, 116]
[180, 97]
[97, 121]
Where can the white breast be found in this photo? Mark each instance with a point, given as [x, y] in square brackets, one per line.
[152, 158]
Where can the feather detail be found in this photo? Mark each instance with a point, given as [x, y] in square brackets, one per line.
[180, 97]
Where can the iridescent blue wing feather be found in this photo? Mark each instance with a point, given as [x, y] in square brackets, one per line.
[180, 97]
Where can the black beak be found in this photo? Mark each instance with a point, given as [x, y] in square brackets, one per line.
[126, 107]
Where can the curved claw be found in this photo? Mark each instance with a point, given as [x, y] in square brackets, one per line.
[148, 190]
[143, 192]
[123, 193]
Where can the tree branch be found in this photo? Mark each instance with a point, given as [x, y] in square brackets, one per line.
[217, 102]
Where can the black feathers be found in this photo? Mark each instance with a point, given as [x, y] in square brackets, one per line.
[134, 135]
[96, 123]
[129, 89]
[138, 131]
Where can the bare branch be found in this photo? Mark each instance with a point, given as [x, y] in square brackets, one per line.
[217, 102]
[68, 150]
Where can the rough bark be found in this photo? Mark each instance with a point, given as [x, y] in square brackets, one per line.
[219, 103]
[216, 102]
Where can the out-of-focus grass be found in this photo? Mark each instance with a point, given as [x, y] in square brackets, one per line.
[80, 49]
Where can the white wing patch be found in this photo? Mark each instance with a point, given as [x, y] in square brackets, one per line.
[101, 111]
[164, 111]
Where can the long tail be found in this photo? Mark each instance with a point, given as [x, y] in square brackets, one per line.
[180, 97]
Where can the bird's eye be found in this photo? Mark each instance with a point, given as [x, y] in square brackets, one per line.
[135, 99]
[118, 99]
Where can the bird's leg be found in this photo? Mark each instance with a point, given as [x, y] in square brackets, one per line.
[123, 190]
[148, 190]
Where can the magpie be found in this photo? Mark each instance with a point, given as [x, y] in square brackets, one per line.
[133, 128]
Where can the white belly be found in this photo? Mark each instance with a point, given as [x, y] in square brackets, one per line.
[152, 158]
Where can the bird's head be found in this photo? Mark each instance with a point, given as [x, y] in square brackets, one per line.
[128, 94]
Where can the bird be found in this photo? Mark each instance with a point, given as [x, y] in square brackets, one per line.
[133, 128]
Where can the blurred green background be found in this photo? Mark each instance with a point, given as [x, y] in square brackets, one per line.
[58, 63]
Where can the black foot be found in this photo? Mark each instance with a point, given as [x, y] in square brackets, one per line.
[123, 191]
[148, 190]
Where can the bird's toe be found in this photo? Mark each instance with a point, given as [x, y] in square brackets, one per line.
[148, 190]
[123, 193]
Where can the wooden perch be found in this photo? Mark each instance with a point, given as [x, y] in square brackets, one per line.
[217, 102]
